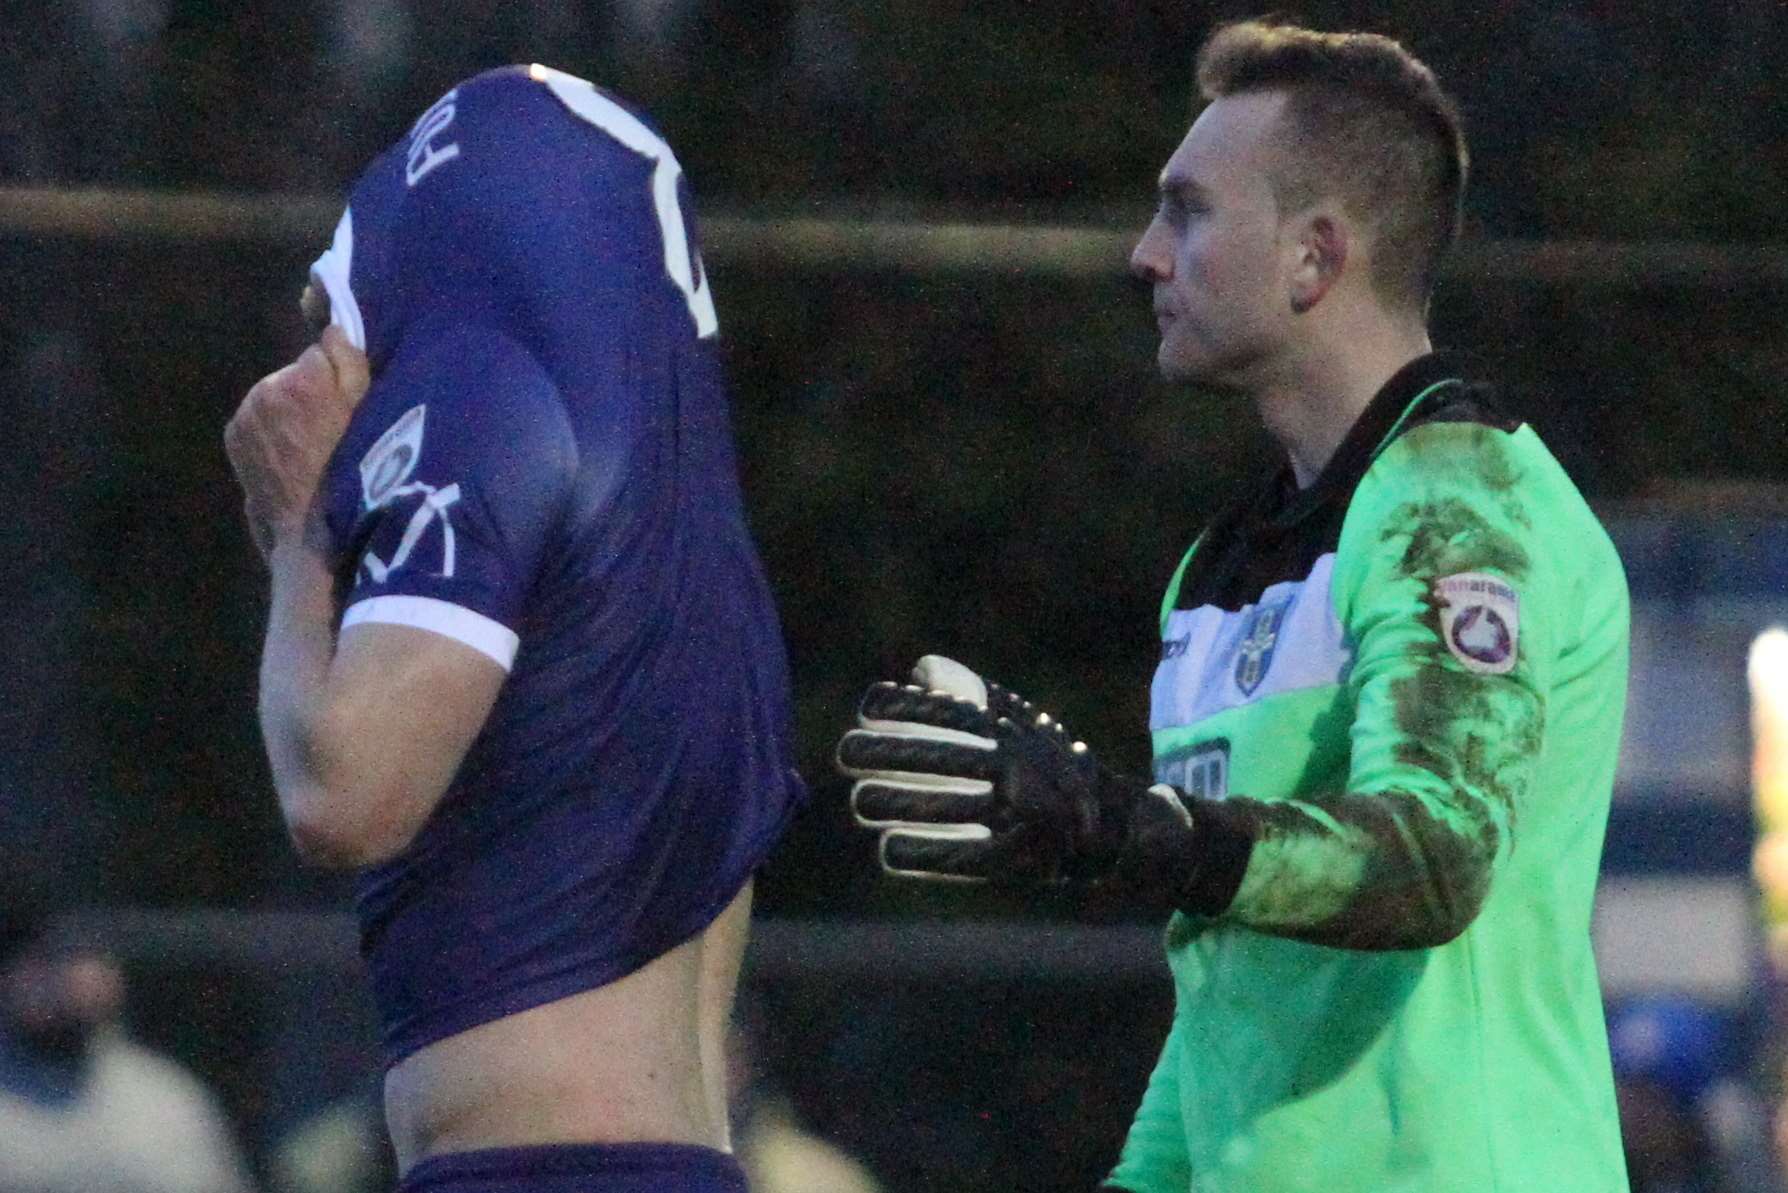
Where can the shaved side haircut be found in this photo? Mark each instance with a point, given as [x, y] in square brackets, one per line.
[1366, 124]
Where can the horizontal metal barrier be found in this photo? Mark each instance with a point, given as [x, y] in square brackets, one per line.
[844, 950]
[912, 246]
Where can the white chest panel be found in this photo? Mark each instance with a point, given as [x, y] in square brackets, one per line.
[1213, 660]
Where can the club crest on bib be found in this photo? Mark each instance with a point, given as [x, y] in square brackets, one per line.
[1480, 621]
[1255, 653]
[392, 460]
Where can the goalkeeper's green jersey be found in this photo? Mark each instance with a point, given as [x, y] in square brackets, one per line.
[1404, 684]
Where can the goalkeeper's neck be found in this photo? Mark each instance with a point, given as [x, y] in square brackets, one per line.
[1315, 399]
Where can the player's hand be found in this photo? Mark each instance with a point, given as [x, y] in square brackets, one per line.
[281, 437]
[968, 781]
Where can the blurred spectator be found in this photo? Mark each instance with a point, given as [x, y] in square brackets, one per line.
[343, 1148]
[82, 1108]
[1689, 1126]
[777, 1151]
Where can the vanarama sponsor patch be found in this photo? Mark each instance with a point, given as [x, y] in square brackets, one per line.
[392, 460]
[1480, 620]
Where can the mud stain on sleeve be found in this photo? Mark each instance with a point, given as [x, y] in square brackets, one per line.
[1447, 535]
[1409, 868]
[1386, 870]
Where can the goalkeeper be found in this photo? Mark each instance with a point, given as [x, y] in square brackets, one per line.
[1388, 707]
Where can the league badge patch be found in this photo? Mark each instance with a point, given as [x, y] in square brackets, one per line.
[392, 460]
[1255, 654]
[1480, 621]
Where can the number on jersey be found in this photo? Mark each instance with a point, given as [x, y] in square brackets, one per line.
[682, 266]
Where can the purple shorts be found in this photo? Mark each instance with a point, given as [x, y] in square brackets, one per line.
[579, 1168]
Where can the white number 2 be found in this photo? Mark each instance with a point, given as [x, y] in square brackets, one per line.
[590, 104]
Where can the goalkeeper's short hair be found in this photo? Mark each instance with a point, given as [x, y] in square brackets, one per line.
[1367, 124]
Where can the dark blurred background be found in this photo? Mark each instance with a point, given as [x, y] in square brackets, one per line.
[972, 460]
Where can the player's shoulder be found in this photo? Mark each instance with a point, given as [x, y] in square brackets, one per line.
[1462, 476]
[504, 149]
[476, 363]
[123, 1063]
[456, 391]
[1467, 400]
[501, 96]
[1462, 444]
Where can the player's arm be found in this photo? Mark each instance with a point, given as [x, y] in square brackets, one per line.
[1444, 589]
[363, 734]
[280, 442]
[1443, 746]
[448, 510]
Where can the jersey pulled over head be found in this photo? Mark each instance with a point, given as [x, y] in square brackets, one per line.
[543, 470]
[521, 229]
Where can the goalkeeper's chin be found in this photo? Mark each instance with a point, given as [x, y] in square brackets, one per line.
[1183, 359]
[1180, 364]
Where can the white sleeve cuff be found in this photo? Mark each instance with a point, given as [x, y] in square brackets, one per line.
[492, 639]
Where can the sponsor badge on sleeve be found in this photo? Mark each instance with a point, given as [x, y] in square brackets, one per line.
[391, 461]
[1480, 621]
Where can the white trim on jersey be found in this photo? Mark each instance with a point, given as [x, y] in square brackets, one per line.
[595, 108]
[492, 639]
[332, 270]
[1291, 637]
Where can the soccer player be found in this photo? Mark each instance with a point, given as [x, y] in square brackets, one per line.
[1388, 704]
[521, 665]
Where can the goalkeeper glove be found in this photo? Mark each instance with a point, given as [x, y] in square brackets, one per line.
[968, 781]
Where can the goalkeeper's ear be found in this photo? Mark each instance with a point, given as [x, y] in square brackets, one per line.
[935, 673]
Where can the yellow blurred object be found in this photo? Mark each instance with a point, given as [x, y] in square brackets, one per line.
[780, 1155]
[1768, 673]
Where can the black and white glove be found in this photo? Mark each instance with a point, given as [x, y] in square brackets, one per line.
[967, 781]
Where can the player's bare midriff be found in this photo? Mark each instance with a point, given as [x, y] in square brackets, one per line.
[640, 1059]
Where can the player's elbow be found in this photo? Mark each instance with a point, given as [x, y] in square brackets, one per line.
[320, 842]
[326, 834]
[1457, 886]
[1425, 893]
[1435, 913]
[347, 798]
[344, 817]
[1445, 923]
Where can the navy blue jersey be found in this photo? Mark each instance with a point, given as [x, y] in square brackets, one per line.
[543, 470]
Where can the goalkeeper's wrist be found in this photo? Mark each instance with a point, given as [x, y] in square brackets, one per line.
[1183, 850]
